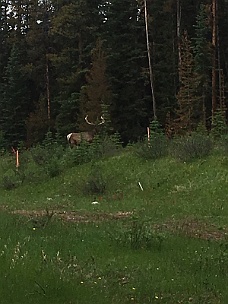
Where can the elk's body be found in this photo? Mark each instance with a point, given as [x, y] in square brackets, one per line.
[77, 138]
[74, 139]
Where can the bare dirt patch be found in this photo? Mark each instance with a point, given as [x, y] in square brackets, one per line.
[196, 228]
[191, 227]
[75, 216]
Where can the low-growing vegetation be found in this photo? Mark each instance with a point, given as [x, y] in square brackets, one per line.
[103, 224]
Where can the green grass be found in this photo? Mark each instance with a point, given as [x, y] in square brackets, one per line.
[172, 248]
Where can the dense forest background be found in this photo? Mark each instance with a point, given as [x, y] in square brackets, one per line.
[61, 60]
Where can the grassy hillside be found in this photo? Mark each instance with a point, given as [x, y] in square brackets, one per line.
[121, 229]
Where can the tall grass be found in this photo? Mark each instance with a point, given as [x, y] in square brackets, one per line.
[78, 263]
[162, 242]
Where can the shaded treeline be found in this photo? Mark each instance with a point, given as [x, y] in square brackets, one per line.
[61, 60]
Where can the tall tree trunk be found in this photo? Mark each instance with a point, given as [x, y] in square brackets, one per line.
[48, 90]
[214, 45]
[149, 61]
[178, 34]
[220, 76]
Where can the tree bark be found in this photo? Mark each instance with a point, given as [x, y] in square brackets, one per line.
[178, 35]
[214, 44]
[149, 61]
[48, 90]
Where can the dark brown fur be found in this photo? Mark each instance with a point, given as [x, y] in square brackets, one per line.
[77, 138]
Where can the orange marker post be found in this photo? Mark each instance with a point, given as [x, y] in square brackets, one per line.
[16, 152]
[148, 135]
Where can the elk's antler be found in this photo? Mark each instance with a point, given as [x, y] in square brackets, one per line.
[93, 124]
[89, 123]
[102, 120]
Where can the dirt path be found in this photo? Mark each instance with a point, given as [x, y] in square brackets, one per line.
[75, 216]
[190, 227]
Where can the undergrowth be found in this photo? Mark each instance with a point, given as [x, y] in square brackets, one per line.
[99, 262]
[100, 229]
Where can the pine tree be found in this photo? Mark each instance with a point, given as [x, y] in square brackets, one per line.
[14, 104]
[188, 112]
[96, 93]
[37, 124]
[68, 117]
[74, 33]
[4, 33]
[39, 45]
[203, 57]
[125, 44]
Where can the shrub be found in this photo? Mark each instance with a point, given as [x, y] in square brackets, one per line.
[110, 145]
[79, 155]
[49, 156]
[40, 155]
[138, 234]
[2, 142]
[95, 183]
[10, 180]
[53, 167]
[157, 145]
[219, 127]
[156, 148]
[225, 144]
[43, 154]
[191, 147]
[34, 174]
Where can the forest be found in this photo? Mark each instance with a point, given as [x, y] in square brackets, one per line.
[132, 61]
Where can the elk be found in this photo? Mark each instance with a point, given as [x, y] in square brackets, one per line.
[74, 139]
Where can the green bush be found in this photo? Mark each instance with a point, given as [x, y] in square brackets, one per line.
[53, 167]
[191, 147]
[156, 148]
[110, 145]
[78, 155]
[34, 173]
[96, 182]
[219, 127]
[49, 156]
[40, 155]
[10, 180]
[225, 144]
[138, 234]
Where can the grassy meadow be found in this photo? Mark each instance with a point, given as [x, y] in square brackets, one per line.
[129, 226]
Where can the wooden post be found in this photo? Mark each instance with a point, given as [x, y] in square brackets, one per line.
[17, 159]
[148, 134]
[16, 152]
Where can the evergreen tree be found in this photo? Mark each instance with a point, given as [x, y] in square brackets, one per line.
[46, 51]
[15, 103]
[68, 118]
[39, 45]
[4, 32]
[124, 33]
[96, 93]
[202, 45]
[189, 110]
[37, 124]
[203, 57]
[162, 23]
[74, 33]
